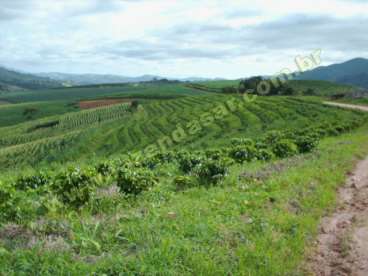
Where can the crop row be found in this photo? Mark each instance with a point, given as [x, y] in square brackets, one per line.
[135, 173]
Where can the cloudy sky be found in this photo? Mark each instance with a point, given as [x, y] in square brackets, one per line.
[208, 38]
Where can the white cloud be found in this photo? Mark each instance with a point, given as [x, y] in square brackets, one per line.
[176, 38]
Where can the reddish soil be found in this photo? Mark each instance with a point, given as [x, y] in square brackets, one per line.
[101, 103]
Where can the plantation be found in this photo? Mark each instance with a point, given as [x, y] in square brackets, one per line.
[188, 182]
[72, 94]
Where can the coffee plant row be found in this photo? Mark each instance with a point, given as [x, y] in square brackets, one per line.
[74, 187]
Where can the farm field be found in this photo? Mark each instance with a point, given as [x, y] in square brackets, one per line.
[193, 182]
[101, 103]
[194, 138]
[115, 129]
[11, 114]
[142, 90]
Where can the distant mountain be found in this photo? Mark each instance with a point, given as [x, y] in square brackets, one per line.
[353, 72]
[11, 80]
[91, 79]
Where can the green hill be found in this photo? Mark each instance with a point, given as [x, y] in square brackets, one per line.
[11, 80]
[353, 72]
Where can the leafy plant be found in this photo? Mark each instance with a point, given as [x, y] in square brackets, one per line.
[74, 187]
[104, 168]
[211, 171]
[32, 182]
[184, 181]
[306, 143]
[243, 153]
[135, 181]
[284, 148]
[187, 162]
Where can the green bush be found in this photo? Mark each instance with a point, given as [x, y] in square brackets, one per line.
[187, 162]
[165, 157]
[243, 153]
[242, 142]
[32, 182]
[74, 187]
[284, 148]
[214, 154]
[7, 204]
[264, 155]
[104, 168]
[306, 143]
[273, 137]
[135, 181]
[211, 171]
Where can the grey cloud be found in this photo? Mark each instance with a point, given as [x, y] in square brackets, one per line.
[12, 9]
[292, 32]
[161, 51]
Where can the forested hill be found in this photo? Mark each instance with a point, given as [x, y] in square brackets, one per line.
[13, 80]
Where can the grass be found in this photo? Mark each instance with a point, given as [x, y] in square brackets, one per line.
[12, 114]
[238, 228]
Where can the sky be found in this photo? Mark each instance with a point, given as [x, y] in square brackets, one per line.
[186, 38]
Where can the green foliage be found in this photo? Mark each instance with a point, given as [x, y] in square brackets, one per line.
[74, 186]
[242, 142]
[284, 148]
[33, 182]
[306, 143]
[264, 154]
[104, 168]
[211, 171]
[184, 181]
[243, 153]
[187, 161]
[7, 202]
[135, 181]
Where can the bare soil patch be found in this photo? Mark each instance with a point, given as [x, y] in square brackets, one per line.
[102, 103]
[342, 245]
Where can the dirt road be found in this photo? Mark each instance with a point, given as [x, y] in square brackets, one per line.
[350, 106]
[342, 245]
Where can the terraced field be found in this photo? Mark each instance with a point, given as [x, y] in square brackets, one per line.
[204, 121]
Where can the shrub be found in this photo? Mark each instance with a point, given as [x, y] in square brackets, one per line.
[306, 143]
[74, 187]
[273, 137]
[242, 142]
[211, 171]
[243, 153]
[150, 162]
[7, 204]
[214, 154]
[165, 157]
[134, 182]
[32, 182]
[187, 162]
[104, 168]
[284, 148]
[264, 155]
